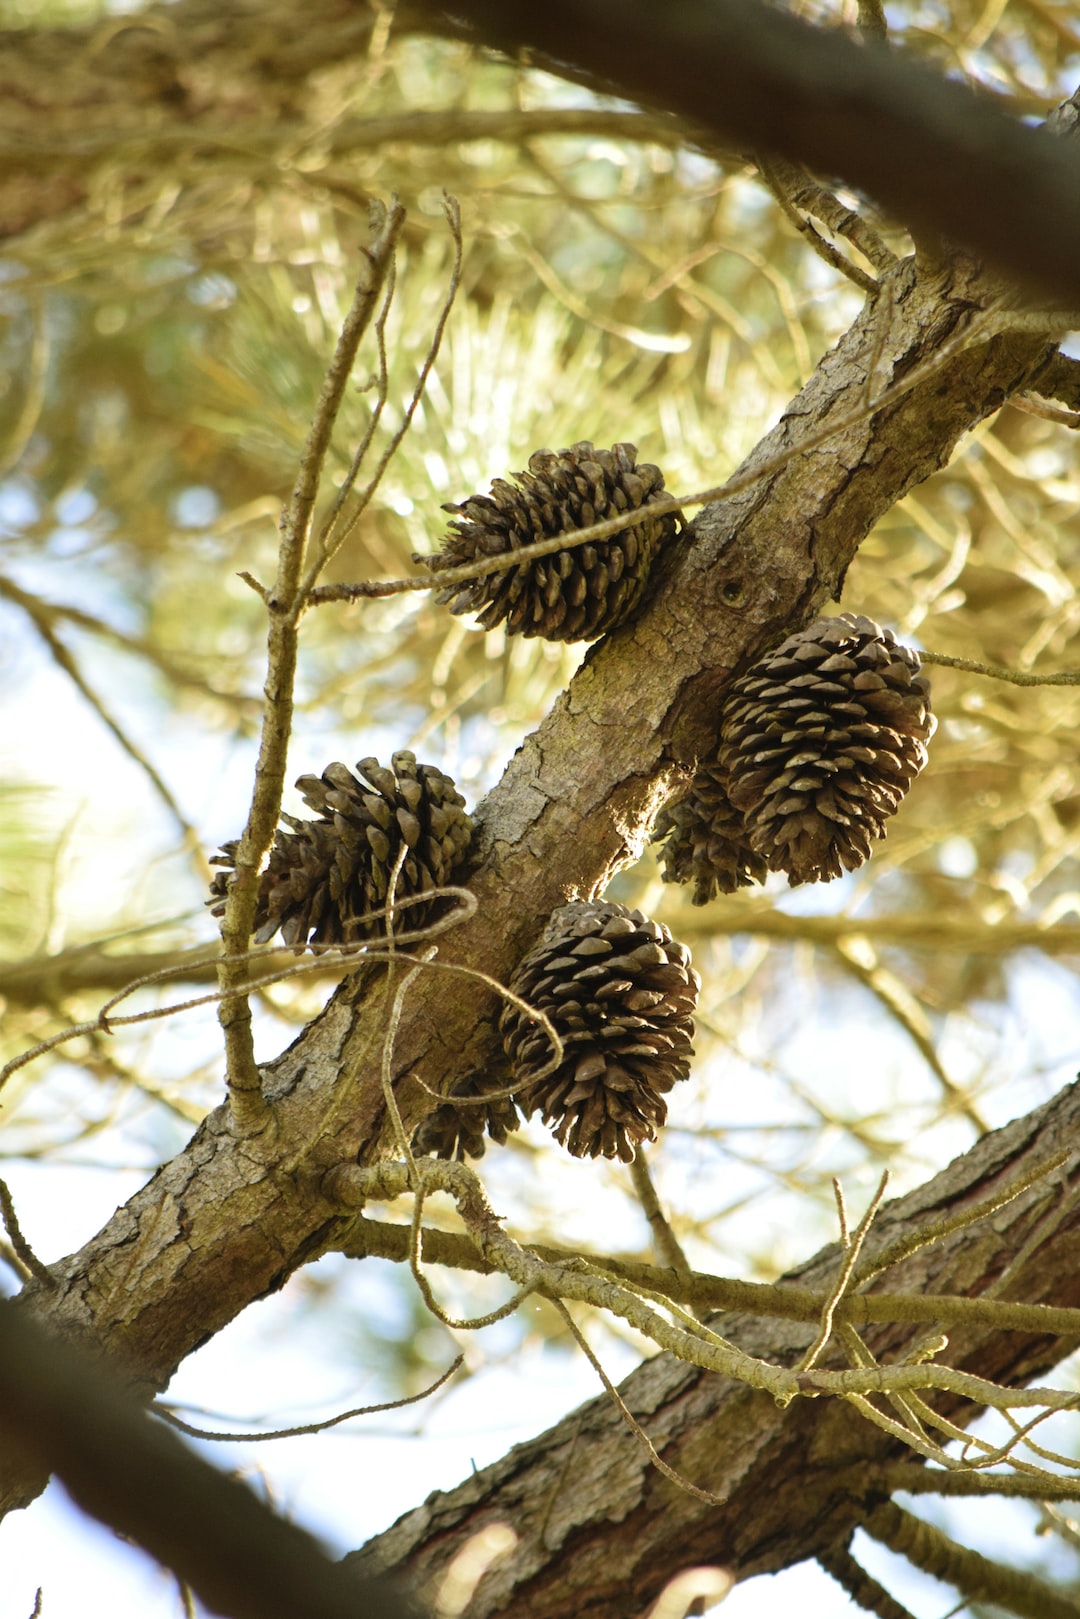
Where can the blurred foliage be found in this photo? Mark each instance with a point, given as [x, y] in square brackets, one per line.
[158, 366]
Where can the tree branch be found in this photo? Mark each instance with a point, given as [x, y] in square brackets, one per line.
[756, 75]
[60, 1411]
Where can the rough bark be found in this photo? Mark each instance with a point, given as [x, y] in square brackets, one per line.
[227, 1220]
[601, 1531]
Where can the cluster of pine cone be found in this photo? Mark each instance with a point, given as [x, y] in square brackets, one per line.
[817, 745]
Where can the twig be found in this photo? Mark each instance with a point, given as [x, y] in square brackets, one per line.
[860, 959]
[808, 193]
[667, 1244]
[37, 374]
[1056, 1209]
[137, 645]
[708, 1496]
[860, 1586]
[824, 249]
[1049, 413]
[416, 1175]
[285, 606]
[914, 1479]
[976, 1577]
[934, 1230]
[41, 618]
[168, 1415]
[18, 1242]
[997, 671]
[844, 1280]
[705, 1292]
[382, 390]
[348, 956]
[13, 1262]
[349, 1186]
[985, 324]
[333, 535]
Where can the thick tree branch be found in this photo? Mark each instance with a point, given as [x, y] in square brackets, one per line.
[754, 74]
[60, 1411]
[795, 1480]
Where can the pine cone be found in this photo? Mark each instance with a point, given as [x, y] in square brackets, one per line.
[572, 595]
[456, 1131]
[706, 840]
[621, 993]
[324, 877]
[820, 741]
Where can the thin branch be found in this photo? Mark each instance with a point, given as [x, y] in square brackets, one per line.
[33, 399]
[903, 1247]
[13, 1262]
[383, 1240]
[334, 534]
[138, 646]
[997, 671]
[88, 966]
[347, 956]
[860, 1586]
[18, 1242]
[824, 249]
[347, 136]
[349, 1186]
[667, 1244]
[977, 1578]
[708, 1496]
[853, 1249]
[168, 1415]
[1049, 413]
[285, 606]
[914, 1479]
[860, 959]
[41, 618]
